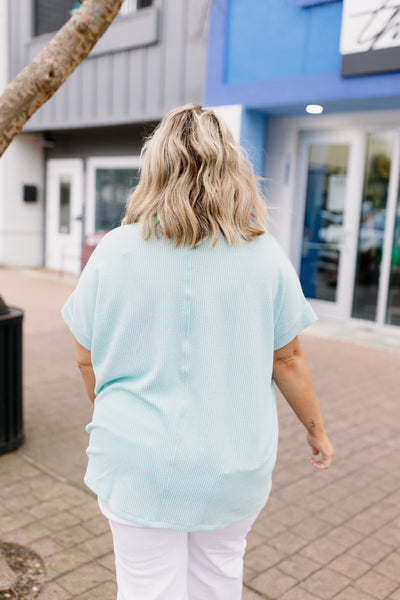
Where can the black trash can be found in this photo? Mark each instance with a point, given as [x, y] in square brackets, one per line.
[11, 418]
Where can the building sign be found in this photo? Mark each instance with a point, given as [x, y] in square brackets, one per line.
[370, 37]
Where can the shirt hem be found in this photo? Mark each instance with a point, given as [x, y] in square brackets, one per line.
[173, 525]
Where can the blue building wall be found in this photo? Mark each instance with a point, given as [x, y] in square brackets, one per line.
[269, 39]
[276, 56]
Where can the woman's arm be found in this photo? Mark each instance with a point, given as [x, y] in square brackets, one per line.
[293, 378]
[84, 360]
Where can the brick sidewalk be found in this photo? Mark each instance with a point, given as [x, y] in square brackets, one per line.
[322, 535]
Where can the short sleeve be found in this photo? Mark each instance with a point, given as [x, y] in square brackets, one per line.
[79, 309]
[292, 312]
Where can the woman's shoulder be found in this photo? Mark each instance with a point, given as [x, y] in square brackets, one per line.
[116, 236]
[273, 259]
[112, 244]
[121, 231]
[272, 247]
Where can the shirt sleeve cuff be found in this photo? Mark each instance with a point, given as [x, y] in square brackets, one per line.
[307, 317]
[67, 314]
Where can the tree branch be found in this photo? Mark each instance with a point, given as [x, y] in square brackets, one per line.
[42, 77]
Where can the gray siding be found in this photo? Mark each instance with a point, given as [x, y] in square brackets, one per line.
[144, 65]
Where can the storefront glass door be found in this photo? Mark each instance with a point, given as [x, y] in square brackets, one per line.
[328, 185]
[349, 205]
[393, 304]
[323, 220]
[369, 284]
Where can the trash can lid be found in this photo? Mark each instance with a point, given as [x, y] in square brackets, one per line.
[14, 313]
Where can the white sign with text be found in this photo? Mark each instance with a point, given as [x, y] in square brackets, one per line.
[369, 25]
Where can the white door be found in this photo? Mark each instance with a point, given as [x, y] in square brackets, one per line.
[329, 191]
[64, 205]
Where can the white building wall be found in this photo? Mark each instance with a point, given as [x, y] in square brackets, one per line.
[3, 44]
[21, 224]
[231, 114]
[21, 231]
[3, 83]
[281, 158]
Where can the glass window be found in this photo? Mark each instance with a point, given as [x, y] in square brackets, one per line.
[65, 205]
[112, 190]
[50, 15]
[372, 225]
[393, 307]
[144, 3]
[323, 220]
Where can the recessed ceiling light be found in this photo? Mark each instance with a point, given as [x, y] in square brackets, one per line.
[314, 109]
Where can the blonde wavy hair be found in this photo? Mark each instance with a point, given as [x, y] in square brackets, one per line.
[196, 182]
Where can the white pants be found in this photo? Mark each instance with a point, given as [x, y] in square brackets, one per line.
[165, 564]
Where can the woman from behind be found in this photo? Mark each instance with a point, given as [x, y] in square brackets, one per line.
[183, 317]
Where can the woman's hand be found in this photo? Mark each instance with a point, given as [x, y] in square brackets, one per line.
[320, 444]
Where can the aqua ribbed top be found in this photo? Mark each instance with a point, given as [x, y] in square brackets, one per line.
[184, 430]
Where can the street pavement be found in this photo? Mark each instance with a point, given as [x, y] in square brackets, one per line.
[323, 535]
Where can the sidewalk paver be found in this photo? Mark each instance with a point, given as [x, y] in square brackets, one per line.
[331, 535]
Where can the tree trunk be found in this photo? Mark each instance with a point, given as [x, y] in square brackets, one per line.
[38, 81]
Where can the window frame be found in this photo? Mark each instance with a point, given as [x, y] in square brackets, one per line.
[102, 162]
[122, 13]
[135, 30]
